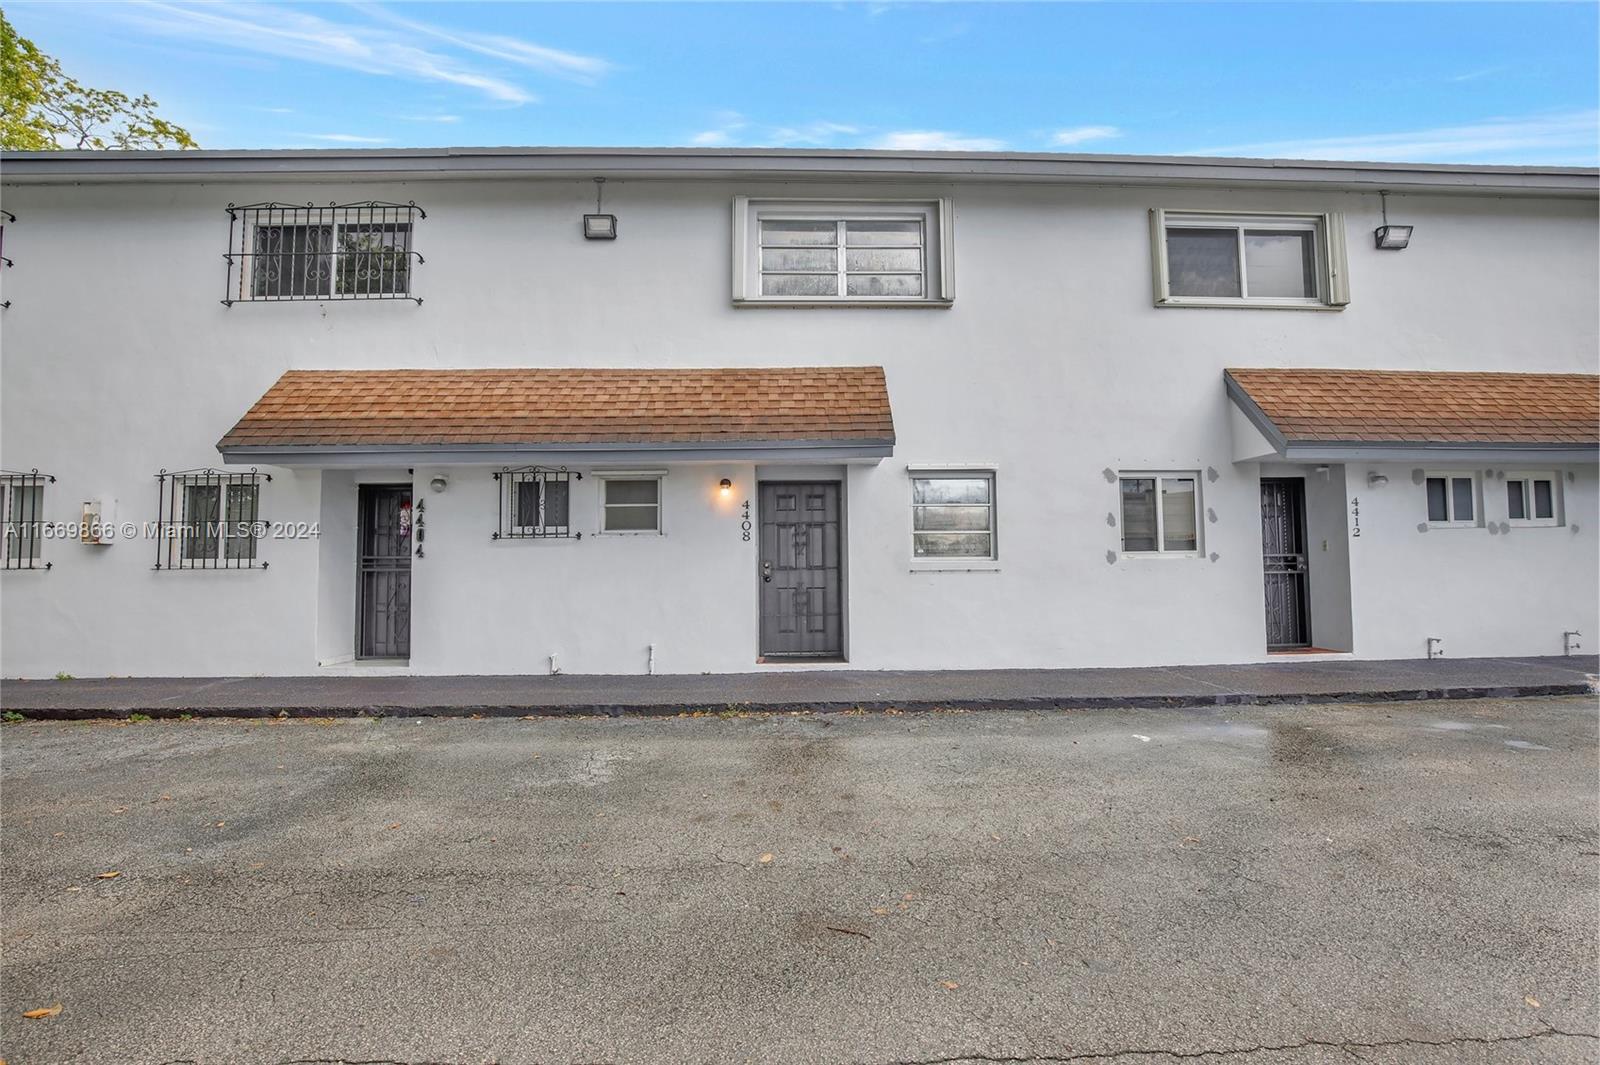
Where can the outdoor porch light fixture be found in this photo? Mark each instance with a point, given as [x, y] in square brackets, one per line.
[438, 484]
[1387, 237]
[725, 486]
[1376, 480]
[599, 226]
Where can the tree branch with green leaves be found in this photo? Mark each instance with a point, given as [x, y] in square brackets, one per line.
[42, 108]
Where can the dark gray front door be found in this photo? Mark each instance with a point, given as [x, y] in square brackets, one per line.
[383, 543]
[802, 585]
[1283, 551]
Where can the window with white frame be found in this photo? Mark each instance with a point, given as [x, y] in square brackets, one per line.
[209, 519]
[1533, 498]
[809, 252]
[22, 510]
[952, 515]
[630, 503]
[1160, 513]
[1452, 499]
[1208, 258]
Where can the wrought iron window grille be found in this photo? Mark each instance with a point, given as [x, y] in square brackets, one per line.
[7, 263]
[22, 506]
[209, 519]
[535, 503]
[281, 252]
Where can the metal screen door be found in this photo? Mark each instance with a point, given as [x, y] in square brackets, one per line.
[1283, 550]
[802, 584]
[383, 535]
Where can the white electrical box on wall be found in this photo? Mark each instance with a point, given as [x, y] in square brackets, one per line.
[92, 529]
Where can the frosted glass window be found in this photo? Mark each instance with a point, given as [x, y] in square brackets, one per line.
[851, 256]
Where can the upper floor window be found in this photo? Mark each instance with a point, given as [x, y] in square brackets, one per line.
[346, 252]
[1533, 498]
[1217, 259]
[841, 252]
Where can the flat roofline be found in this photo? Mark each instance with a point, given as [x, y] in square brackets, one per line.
[787, 163]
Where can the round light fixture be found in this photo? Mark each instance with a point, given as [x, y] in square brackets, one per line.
[438, 484]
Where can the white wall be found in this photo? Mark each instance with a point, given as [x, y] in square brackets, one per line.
[1483, 591]
[118, 360]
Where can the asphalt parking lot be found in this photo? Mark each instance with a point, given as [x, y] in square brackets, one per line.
[1386, 883]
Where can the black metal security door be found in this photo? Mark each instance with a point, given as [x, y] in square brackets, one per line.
[802, 584]
[1283, 550]
[383, 541]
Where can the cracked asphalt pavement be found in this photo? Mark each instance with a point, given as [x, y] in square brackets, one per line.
[1390, 883]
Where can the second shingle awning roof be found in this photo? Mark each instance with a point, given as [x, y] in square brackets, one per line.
[1331, 415]
[339, 417]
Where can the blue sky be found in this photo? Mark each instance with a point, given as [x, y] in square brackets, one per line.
[1486, 83]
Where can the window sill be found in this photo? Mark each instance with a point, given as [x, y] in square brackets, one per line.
[964, 565]
[620, 533]
[902, 304]
[1442, 526]
[1253, 305]
[1160, 555]
[572, 539]
[1515, 524]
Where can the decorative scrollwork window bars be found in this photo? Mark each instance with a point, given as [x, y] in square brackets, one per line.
[535, 503]
[209, 519]
[22, 507]
[353, 251]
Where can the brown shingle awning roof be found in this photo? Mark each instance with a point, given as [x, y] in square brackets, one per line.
[1419, 409]
[566, 409]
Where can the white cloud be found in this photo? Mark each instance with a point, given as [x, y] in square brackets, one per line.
[812, 133]
[290, 33]
[345, 138]
[1527, 140]
[571, 65]
[733, 128]
[1064, 138]
[936, 140]
[729, 124]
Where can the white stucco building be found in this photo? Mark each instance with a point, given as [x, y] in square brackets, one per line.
[337, 411]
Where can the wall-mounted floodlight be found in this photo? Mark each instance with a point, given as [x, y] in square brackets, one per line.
[599, 226]
[1387, 237]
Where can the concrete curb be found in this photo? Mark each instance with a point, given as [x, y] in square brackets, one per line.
[671, 709]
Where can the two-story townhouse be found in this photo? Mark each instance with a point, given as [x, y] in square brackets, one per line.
[615, 411]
